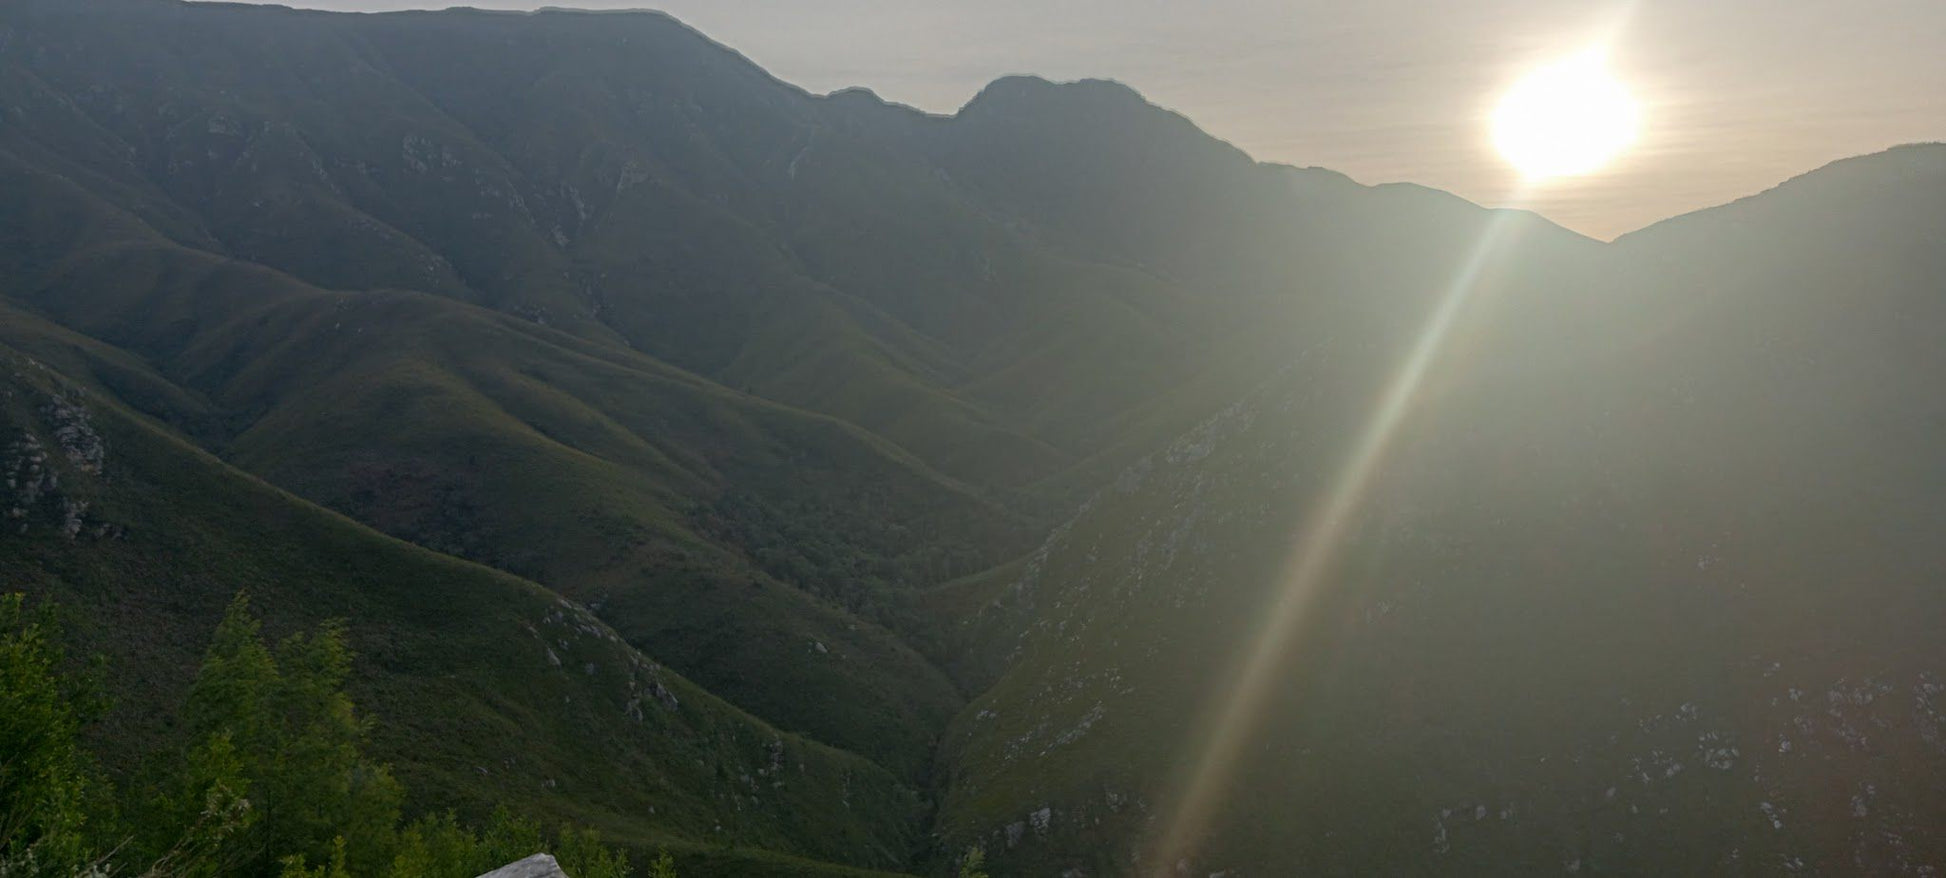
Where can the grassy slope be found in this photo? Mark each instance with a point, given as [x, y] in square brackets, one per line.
[603, 473]
[436, 455]
[457, 662]
[607, 481]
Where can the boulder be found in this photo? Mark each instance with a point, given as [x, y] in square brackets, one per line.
[536, 866]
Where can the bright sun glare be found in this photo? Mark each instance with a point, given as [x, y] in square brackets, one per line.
[1566, 119]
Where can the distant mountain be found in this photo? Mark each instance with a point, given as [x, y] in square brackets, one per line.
[1648, 585]
[585, 330]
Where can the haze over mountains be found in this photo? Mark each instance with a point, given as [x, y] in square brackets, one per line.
[683, 450]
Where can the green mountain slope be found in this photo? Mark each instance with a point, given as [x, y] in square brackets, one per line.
[487, 689]
[673, 504]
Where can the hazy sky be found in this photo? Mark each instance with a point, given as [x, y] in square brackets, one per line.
[1739, 94]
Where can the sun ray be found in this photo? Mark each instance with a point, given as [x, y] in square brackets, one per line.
[1228, 732]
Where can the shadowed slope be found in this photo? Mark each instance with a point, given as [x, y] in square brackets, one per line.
[680, 507]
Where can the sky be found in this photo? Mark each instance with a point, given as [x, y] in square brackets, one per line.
[1737, 95]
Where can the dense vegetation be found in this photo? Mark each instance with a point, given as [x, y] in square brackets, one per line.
[272, 775]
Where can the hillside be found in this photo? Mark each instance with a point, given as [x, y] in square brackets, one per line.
[411, 429]
[487, 689]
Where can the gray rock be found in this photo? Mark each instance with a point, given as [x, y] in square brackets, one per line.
[536, 866]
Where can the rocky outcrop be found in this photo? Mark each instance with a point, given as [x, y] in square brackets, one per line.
[31, 486]
[536, 866]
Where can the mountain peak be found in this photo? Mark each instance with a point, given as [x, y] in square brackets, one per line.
[1034, 93]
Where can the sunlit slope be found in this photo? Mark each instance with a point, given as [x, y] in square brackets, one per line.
[1381, 266]
[1648, 585]
[487, 689]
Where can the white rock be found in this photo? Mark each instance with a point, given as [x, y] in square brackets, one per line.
[536, 866]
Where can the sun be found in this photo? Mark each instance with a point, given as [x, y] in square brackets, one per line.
[1566, 119]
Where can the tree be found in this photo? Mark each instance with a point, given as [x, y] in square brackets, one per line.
[46, 783]
[190, 832]
[663, 866]
[437, 846]
[973, 864]
[279, 730]
[334, 868]
[582, 855]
